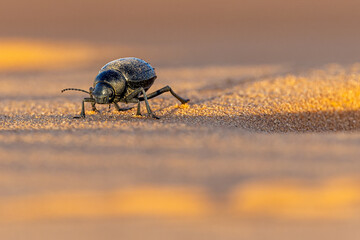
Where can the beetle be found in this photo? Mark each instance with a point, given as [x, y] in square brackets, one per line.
[124, 80]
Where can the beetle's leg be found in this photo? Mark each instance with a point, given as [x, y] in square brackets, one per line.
[138, 113]
[163, 90]
[82, 114]
[135, 100]
[134, 94]
[121, 109]
[94, 108]
[147, 105]
[130, 98]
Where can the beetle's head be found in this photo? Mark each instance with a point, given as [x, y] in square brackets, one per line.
[103, 93]
[107, 84]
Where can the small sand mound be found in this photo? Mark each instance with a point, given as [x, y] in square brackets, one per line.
[326, 100]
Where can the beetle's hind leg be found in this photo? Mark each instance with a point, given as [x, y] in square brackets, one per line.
[164, 90]
[121, 109]
[132, 98]
[147, 105]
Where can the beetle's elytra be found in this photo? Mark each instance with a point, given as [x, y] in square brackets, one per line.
[124, 80]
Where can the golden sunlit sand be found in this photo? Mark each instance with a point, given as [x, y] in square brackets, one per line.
[222, 159]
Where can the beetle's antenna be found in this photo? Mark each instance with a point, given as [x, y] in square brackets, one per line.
[74, 89]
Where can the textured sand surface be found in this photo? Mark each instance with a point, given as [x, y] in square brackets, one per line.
[266, 149]
[259, 152]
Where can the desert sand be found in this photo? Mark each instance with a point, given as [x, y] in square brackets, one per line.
[267, 148]
[260, 150]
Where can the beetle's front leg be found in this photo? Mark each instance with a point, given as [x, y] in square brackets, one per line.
[82, 114]
[94, 108]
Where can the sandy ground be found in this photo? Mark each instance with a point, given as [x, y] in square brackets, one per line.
[264, 151]
[267, 148]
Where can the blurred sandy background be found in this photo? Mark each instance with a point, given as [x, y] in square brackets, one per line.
[268, 147]
[198, 32]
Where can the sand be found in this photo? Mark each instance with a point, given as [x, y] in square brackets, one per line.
[260, 151]
[267, 148]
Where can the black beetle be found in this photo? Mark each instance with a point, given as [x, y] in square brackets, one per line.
[124, 80]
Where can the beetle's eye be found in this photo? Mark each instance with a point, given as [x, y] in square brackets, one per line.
[91, 89]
